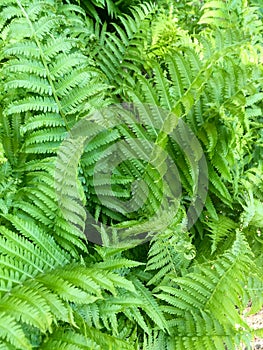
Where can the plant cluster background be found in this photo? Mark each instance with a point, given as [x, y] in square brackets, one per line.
[188, 286]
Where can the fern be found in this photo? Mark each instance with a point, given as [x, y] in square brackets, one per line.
[170, 255]
[69, 340]
[178, 163]
[198, 293]
[199, 331]
[126, 46]
[52, 89]
[44, 279]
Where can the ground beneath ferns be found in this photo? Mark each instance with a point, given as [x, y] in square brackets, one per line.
[256, 321]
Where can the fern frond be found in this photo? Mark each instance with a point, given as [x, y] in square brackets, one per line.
[45, 279]
[39, 85]
[24, 49]
[42, 104]
[206, 286]
[170, 255]
[220, 229]
[197, 331]
[12, 334]
[150, 305]
[26, 66]
[69, 340]
[215, 13]
[127, 43]
[41, 121]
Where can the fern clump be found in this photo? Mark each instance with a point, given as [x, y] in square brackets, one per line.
[130, 174]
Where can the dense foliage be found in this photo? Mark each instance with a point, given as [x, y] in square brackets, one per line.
[188, 286]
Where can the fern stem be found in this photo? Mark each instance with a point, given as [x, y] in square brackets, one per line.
[45, 64]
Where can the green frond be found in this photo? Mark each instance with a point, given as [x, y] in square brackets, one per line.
[202, 330]
[74, 99]
[218, 187]
[11, 333]
[37, 104]
[162, 88]
[220, 229]
[50, 137]
[23, 50]
[44, 26]
[45, 242]
[41, 121]
[69, 340]
[106, 340]
[150, 305]
[170, 254]
[55, 46]
[26, 304]
[9, 12]
[25, 66]
[215, 13]
[39, 85]
[119, 263]
[43, 279]
[64, 63]
[72, 80]
[203, 288]
[126, 43]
